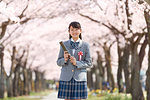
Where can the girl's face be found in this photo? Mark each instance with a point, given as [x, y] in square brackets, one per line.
[74, 32]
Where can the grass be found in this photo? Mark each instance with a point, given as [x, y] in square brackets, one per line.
[94, 98]
[118, 97]
[106, 95]
[109, 97]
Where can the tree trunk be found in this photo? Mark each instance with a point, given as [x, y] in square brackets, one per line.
[25, 81]
[110, 77]
[125, 66]
[90, 80]
[43, 81]
[137, 93]
[97, 77]
[10, 87]
[16, 81]
[100, 69]
[37, 88]
[119, 76]
[29, 80]
[148, 77]
[2, 79]
[119, 72]
[40, 81]
[21, 85]
[147, 18]
[2, 89]
[9, 78]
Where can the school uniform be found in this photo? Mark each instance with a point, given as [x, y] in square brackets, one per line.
[73, 79]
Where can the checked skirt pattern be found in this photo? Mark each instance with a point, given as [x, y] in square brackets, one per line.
[72, 89]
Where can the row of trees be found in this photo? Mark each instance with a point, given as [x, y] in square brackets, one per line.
[15, 16]
[130, 55]
[21, 80]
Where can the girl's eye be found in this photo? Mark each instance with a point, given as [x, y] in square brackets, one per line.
[74, 30]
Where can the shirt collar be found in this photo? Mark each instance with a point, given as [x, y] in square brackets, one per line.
[76, 41]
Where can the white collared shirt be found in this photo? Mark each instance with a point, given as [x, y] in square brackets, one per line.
[73, 50]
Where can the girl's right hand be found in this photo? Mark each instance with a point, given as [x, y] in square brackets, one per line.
[66, 56]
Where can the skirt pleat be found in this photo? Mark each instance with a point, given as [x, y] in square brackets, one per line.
[72, 89]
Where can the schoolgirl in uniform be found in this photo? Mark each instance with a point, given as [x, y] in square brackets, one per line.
[73, 78]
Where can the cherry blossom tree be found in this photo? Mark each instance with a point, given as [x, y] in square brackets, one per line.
[132, 38]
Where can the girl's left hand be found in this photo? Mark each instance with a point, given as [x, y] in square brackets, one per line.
[73, 60]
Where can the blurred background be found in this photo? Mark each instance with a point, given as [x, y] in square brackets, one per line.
[118, 32]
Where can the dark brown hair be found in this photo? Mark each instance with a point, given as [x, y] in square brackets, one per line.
[75, 25]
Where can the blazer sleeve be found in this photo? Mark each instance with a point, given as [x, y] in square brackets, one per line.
[87, 62]
[60, 60]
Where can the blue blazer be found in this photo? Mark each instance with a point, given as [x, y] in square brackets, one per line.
[78, 72]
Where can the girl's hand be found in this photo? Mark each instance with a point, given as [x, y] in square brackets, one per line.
[73, 60]
[66, 56]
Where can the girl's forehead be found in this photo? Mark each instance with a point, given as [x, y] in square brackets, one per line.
[73, 28]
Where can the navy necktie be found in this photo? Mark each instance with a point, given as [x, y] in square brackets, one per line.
[74, 45]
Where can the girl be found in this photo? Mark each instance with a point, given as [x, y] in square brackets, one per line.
[73, 78]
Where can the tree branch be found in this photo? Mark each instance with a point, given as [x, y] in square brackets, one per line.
[89, 18]
[129, 21]
[22, 14]
[142, 50]
[98, 5]
[9, 35]
[4, 27]
[148, 1]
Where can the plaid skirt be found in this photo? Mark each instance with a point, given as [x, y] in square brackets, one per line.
[72, 89]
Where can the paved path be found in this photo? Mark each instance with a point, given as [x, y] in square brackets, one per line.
[51, 96]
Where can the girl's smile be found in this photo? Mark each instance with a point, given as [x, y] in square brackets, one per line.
[75, 34]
